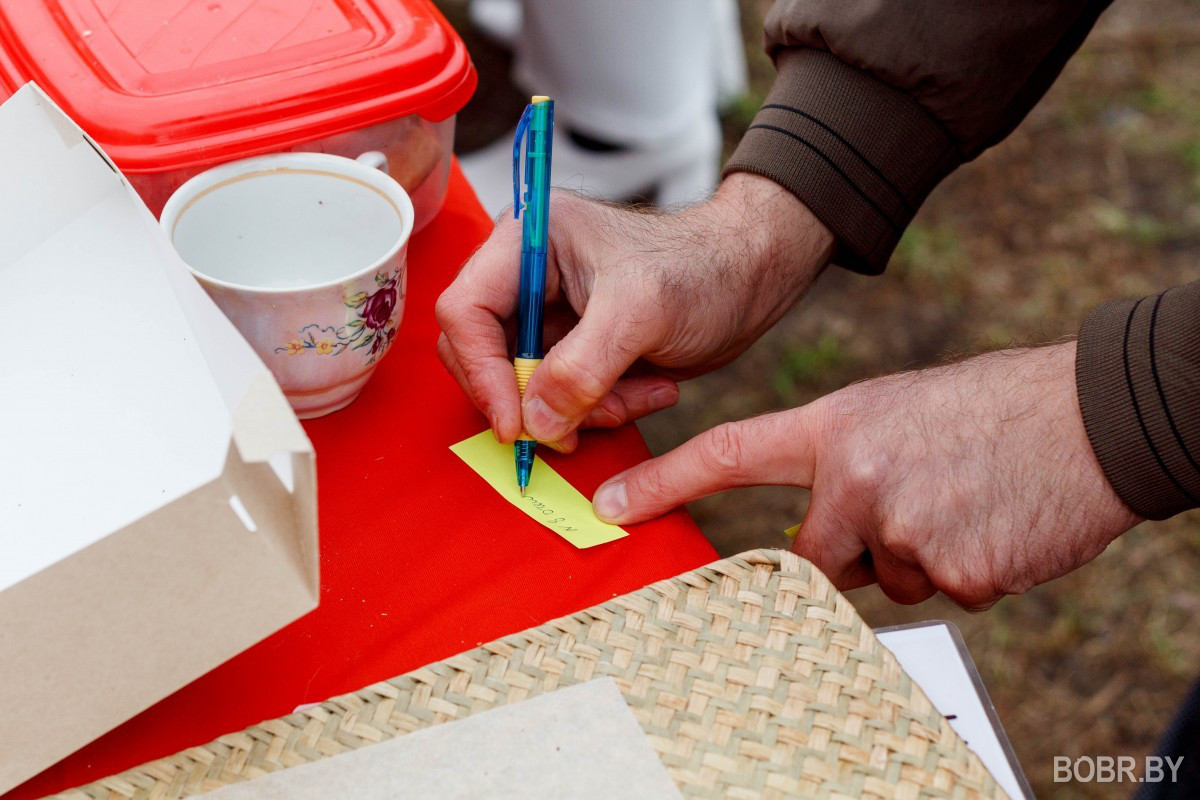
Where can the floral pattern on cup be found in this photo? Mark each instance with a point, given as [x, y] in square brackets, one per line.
[372, 330]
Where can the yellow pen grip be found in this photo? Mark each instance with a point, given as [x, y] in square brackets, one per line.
[524, 367]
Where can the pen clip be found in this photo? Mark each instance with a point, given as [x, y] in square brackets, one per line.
[522, 127]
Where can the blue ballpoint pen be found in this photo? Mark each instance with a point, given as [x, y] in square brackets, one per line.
[537, 128]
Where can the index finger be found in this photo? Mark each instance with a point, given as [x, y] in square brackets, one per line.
[777, 449]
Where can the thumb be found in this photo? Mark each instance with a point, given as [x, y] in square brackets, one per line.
[578, 372]
[778, 449]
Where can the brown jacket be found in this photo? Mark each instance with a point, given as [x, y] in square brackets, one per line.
[877, 100]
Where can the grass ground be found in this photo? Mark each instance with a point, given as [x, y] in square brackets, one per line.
[1095, 196]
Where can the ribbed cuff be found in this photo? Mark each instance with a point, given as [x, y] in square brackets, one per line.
[860, 154]
[1138, 372]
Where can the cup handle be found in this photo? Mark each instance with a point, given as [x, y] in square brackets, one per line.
[374, 158]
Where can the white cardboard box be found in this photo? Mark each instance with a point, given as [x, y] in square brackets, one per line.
[157, 494]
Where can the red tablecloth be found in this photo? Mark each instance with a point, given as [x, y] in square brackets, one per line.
[420, 559]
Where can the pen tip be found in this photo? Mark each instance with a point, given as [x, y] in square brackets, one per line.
[522, 488]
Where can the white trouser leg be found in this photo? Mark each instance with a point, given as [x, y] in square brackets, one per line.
[643, 74]
[628, 71]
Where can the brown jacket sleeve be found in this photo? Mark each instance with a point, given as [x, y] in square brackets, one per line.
[1138, 373]
[877, 100]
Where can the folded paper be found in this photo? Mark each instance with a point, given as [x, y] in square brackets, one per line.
[549, 499]
[577, 743]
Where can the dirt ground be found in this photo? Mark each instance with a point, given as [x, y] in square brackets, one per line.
[1095, 196]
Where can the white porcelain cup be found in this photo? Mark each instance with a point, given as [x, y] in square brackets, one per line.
[306, 253]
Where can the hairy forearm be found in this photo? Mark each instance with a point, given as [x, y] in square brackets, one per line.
[775, 232]
[767, 245]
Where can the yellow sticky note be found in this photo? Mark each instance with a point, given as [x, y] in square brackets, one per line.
[548, 499]
[792, 531]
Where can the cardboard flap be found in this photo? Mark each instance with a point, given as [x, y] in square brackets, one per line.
[124, 622]
[130, 384]
[41, 148]
[264, 426]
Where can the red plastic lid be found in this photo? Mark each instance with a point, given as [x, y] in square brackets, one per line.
[165, 84]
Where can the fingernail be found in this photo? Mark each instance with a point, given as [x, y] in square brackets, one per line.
[494, 425]
[664, 397]
[603, 418]
[544, 423]
[610, 501]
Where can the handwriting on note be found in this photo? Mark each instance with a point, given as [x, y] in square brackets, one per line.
[549, 499]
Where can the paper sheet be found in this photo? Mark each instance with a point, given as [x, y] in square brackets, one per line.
[577, 743]
[549, 499]
[930, 656]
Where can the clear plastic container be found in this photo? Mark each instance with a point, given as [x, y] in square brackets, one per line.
[418, 154]
[171, 87]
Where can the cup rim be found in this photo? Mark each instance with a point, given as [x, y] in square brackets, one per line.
[213, 178]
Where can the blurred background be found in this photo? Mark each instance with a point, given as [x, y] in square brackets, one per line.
[1095, 196]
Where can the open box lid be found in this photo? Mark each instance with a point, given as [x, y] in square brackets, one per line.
[127, 383]
[169, 84]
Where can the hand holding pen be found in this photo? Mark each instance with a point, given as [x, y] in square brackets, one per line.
[677, 294]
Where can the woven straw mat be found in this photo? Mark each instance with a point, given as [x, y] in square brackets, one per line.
[752, 677]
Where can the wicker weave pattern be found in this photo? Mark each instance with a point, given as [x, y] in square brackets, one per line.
[752, 678]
